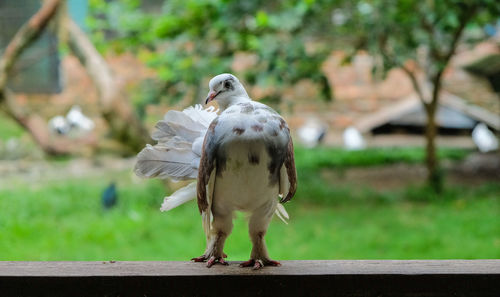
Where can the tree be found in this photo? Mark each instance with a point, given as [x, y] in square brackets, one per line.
[426, 33]
[124, 124]
[191, 40]
[28, 33]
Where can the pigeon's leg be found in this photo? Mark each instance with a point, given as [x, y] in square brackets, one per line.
[222, 226]
[257, 227]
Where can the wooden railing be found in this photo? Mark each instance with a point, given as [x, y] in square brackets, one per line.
[294, 278]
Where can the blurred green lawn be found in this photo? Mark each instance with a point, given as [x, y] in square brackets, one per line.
[63, 220]
[9, 128]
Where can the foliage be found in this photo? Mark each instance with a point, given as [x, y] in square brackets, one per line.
[425, 32]
[187, 42]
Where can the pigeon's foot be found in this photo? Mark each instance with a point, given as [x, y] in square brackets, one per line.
[211, 260]
[201, 258]
[257, 264]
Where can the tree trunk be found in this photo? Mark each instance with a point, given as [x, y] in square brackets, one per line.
[434, 175]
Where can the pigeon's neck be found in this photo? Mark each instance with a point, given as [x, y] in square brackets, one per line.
[223, 104]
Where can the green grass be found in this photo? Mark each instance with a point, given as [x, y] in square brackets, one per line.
[324, 157]
[8, 128]
[63, 220]
[318, 168]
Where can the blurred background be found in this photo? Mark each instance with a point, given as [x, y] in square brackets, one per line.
[394, 107]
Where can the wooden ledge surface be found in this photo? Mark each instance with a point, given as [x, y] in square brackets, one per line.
[394, 278]
[184, 268]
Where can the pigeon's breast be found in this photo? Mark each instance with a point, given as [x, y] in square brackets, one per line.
[244, 181]
[252, 121]
[252, 142]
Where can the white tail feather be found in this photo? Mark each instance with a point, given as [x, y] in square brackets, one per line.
[159, 161]
[179, 136]
[281, 213]
[179, 197]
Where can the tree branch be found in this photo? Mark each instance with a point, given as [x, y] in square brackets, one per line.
[24, 37]
[416, 85]
[468, 13]
[382, 43]
[436, 80]
[116, 109]
[429, 28]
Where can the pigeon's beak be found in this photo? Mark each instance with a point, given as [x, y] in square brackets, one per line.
[211, 96]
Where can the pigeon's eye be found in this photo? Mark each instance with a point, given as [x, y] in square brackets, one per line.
[227, 85]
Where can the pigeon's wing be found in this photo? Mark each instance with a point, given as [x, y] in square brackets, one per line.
[288, 174]
[207, 167]
[206, 176]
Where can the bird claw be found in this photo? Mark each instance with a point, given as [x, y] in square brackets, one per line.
[258, 264]
[204, 258]
[211, 260]
[214, 260]
[201, 258]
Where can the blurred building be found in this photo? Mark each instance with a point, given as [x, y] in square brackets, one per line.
[37, 70]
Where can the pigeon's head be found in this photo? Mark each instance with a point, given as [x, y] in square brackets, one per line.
[225, 88]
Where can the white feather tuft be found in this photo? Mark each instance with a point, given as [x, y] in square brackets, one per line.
[179, 197]
[281, 213]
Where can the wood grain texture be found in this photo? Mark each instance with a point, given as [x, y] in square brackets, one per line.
[293, 278]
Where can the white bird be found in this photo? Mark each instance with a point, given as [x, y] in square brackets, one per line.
[59, 125]
[78, 120]
[484, 139]
[311, 133]
[247, 163]
[353, 140]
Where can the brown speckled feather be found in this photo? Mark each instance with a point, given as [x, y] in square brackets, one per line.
[290, 171]
[207, 165]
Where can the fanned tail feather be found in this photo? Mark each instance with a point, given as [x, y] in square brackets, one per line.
[163, 162]
[177, 153]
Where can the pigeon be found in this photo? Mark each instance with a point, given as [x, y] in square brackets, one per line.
[353, 140]
[59, 125]
[312, 133]
[243, 160]
[484, 139]
[109, 196]
[78, 120]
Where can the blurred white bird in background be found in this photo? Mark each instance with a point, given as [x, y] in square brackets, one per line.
[484, 139]
[353, 140]
[59, 125]
[74, 124]
[312, 133]
[78, 120]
